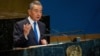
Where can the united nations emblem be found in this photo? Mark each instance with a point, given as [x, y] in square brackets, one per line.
[74, 50]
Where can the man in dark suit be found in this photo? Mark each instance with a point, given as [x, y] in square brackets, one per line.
[29, 31]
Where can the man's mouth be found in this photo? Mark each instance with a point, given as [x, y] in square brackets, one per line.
[38, 17]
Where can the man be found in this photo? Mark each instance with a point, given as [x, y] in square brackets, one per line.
[29, 31]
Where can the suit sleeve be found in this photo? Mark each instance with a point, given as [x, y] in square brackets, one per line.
[19, 38]
[43, 31]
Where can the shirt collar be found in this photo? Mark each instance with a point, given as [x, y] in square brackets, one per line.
[30, 20]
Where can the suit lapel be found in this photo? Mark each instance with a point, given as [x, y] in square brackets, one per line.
[31, 33]
[40, 28]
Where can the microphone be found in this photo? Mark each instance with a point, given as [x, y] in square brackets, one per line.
[47, 35]
[58, 33]
[72, 32]
[51, 34]
[77, 38]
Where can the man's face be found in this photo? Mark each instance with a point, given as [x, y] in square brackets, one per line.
[36, 12]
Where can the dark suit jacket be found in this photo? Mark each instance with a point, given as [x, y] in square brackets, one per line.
[19, 38]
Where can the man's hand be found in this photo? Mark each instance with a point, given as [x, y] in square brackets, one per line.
[44, 42]
[26, 29]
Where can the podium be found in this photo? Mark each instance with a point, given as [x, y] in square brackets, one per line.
[85, 48]
[39, 50]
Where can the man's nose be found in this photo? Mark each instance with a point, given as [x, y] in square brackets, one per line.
[39, 14]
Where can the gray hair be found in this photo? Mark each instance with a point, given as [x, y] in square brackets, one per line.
[34, 3]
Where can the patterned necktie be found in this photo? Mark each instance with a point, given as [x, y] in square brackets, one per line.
[35, 32]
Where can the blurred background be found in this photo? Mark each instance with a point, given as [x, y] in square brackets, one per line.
[65, 19]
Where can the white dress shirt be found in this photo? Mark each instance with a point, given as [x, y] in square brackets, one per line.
[37, 27]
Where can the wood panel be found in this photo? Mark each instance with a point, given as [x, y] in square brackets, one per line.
[72, 37]
[14, 5]
[13, 8]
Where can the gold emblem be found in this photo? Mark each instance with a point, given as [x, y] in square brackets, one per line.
[74, 50]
